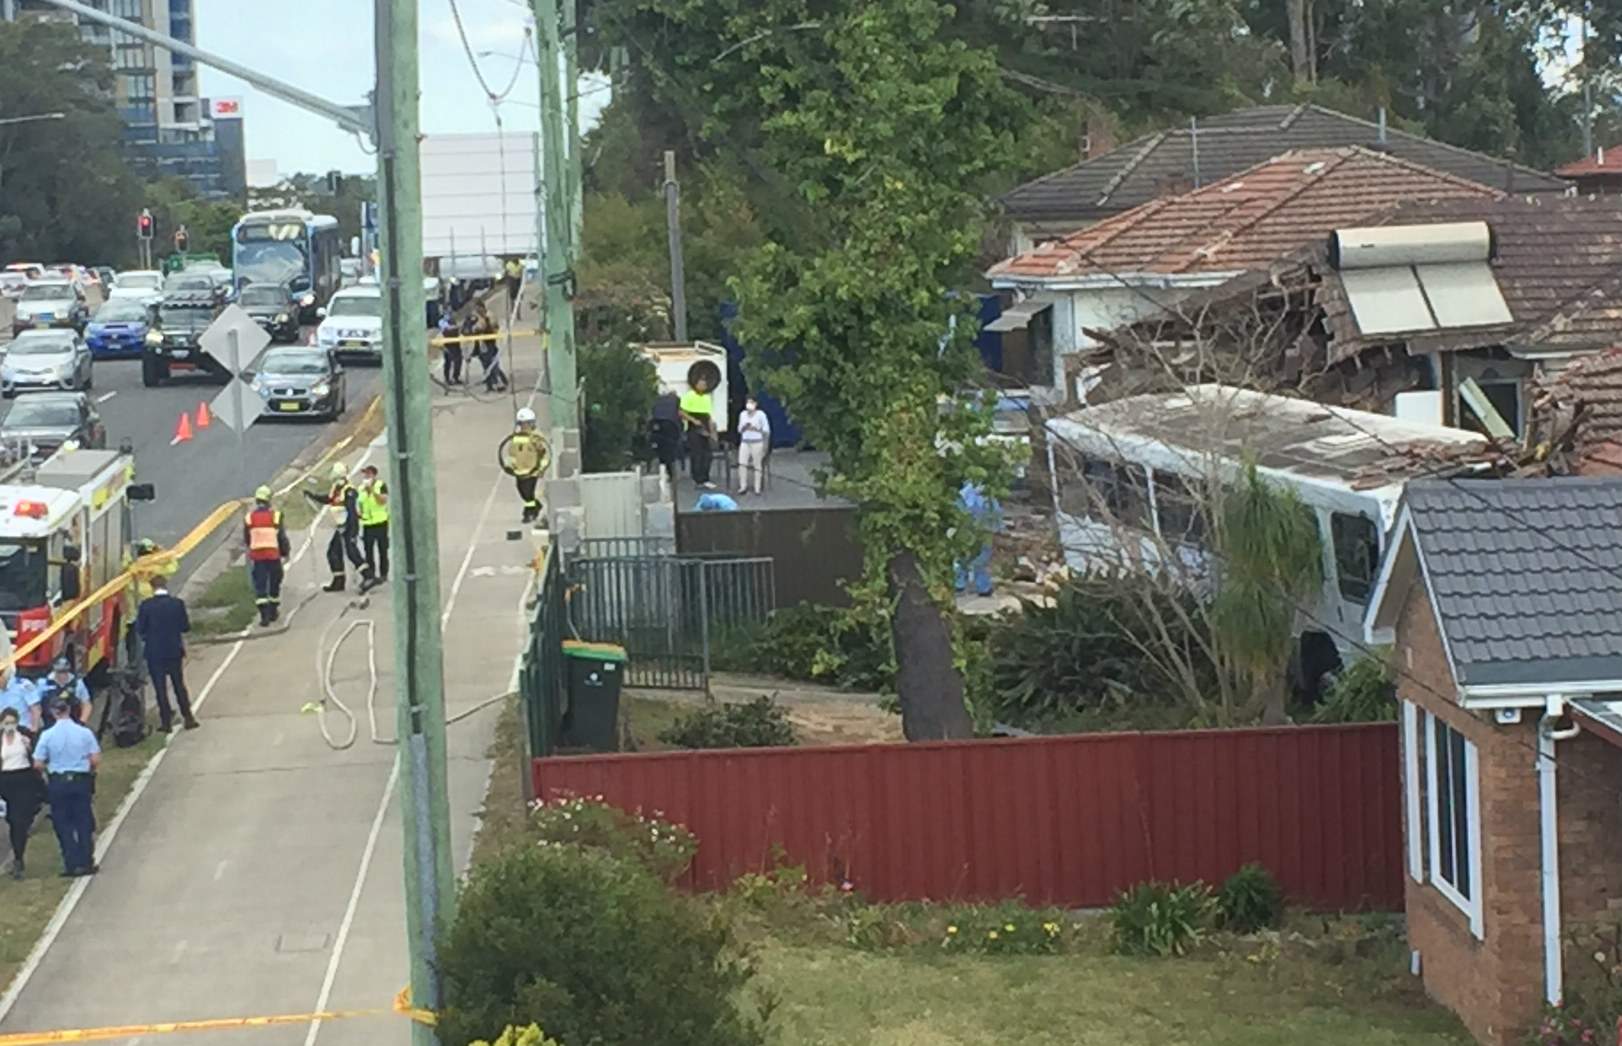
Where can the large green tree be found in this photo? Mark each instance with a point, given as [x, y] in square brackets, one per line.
[874, 126]
[65, 194]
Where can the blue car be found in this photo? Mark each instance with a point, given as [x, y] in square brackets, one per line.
[118, 329]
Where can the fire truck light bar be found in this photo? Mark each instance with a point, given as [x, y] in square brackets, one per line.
[31, 509]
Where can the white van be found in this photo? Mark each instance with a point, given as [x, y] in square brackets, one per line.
[352, 324]
[1134, 466]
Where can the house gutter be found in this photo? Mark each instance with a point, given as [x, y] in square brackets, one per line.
[1114, 281]
[1549, 832]
[1530, 695]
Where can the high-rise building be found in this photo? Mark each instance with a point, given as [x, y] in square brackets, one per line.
[168, 130]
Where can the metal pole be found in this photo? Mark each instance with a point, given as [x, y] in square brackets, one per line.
[678, 272]
[418, 666]
[555, 265]
[238, 411]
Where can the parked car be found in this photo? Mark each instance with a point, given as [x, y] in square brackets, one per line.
[51, 419]
[118, 328]
[352, 323]
[272, 308]
[142, 284]
[45, 359]
[12, 285]
[300, 379]
[51, 303]
[31, 270]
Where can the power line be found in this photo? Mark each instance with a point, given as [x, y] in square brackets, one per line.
[473, 61]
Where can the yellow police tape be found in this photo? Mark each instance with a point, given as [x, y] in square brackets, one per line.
[402, 1006]
[460, 338]
[148, 566]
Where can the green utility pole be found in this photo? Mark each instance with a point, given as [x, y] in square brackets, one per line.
[556, 263]
[571, 87]
[419, 670]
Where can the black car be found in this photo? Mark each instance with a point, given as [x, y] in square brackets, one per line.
[172, 344]
[272, 308]
[48, 419]
[295, 380]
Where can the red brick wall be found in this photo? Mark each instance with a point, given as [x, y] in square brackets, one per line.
[1496, 984]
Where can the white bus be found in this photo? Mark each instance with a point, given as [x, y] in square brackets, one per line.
[1127, 477]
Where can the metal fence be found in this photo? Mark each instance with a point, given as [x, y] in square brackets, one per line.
[668, 611]
[541, 680]
[618, 548]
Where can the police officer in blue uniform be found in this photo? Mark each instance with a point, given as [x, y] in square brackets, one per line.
[68, 756]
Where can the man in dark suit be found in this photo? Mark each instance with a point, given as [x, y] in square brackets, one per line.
[162, 625]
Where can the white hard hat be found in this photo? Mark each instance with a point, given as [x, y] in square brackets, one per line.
[340, 470]
[525, 416]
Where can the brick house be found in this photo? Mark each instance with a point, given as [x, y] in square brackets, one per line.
[1503, 601]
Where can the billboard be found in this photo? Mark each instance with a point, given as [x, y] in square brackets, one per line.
[226, 108]
[478, 195]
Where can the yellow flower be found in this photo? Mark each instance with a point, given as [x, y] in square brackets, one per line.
[1052, 929]
[991, 935]
[951, 930]
[1009, 927]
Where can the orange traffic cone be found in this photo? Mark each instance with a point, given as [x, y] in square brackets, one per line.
[183, 430]
[203, 417]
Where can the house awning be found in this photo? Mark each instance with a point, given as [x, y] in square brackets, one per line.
[1017, 317]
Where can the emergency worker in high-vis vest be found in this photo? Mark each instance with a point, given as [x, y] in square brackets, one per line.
[372, 499]
[523, 455]
[268, 549]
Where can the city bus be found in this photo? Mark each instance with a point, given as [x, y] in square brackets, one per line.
[290, 248]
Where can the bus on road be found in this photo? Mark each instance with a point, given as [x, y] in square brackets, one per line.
[292, 248]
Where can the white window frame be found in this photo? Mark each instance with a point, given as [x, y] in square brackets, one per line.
[1470, 906]
[1410, 783]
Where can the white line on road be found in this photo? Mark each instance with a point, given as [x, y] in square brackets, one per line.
[104, 397]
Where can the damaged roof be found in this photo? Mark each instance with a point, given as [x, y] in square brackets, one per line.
[1525, 576]
[1251, 219]
[1557, 260]
[1163, 163]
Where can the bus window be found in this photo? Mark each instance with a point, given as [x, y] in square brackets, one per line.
[1357, 554]
[1180, 509]
[1120, 491]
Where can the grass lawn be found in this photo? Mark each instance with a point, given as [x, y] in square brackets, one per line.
[225, 605]
[831, 995]
[30, 903]
[1330, 981]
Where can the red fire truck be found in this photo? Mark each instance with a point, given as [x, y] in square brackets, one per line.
[63, 535]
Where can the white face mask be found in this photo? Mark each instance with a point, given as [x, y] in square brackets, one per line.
[9, 726]
[750, 406]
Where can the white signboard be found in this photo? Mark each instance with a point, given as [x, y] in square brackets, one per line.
[225, 108]
[478, 195]
[234, 353]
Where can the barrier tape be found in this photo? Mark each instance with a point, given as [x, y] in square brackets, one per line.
[459, 339]
[401, 1007]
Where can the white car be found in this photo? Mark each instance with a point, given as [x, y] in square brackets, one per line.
[54, 360]
[143, 285]
[12, 285]
[352, 323]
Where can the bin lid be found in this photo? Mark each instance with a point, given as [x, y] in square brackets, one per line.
[594, 651]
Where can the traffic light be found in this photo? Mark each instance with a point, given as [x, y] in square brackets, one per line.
[143, 225]
[335, 183]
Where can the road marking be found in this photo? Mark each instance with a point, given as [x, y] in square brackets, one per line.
[104, 840]
[354, 900]
[104, 397]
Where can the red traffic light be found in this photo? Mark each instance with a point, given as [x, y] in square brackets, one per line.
[144, 224]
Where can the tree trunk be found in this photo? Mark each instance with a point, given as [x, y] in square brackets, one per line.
[1300, 56]
[927, 681]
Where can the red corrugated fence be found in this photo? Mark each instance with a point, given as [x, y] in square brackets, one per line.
[1061, 820]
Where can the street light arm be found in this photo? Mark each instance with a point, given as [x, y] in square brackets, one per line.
[6, 121]
[343, 116]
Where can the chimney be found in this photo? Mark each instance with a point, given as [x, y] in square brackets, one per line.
[1194, 143]
[1381, 139]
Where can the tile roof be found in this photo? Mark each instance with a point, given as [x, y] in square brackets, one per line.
[1587, 397]
[1558, 262]
[1248, 220]
[1606, 161]
[1525, 576]
[1162, 163]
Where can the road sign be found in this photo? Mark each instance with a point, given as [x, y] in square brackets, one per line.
[237, 405]
[234, 354]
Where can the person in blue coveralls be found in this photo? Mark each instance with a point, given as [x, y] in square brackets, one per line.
[987, 515]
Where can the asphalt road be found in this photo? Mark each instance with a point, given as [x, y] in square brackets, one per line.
[194, 477]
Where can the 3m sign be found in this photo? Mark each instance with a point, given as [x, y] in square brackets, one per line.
[226, 108]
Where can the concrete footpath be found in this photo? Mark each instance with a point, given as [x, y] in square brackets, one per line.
[259, 871]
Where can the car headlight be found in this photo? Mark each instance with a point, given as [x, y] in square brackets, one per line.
[282, 317]
[258, 384]
[320, 389]
[154, 337]
[327, 337]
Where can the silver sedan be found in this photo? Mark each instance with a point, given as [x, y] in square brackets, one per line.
[56, 360]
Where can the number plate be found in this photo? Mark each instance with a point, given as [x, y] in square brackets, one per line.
[352, 344]
[290, 406]
[46, 317]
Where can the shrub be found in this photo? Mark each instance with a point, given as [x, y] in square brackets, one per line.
[1364, 693]
[1009, 928]
[607, 954]
[662, 848]
[1592, 1006]
[754, 724]
[848, 647]
[530, 1036]
[1163, 919]
[621, 386]
[1250, 900]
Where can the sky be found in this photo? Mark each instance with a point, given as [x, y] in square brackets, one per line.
[325, 46]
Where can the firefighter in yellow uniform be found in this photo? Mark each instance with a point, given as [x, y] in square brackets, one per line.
[138, 562]
[268, 549]
[523, 456]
